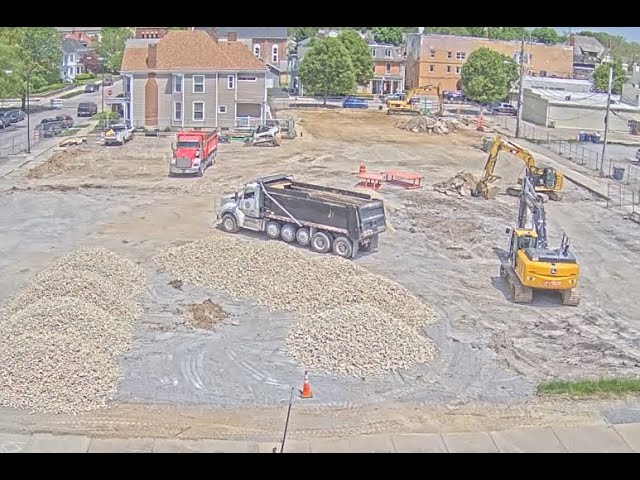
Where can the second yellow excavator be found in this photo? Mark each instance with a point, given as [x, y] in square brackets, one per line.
[405, 106]
[547, 181]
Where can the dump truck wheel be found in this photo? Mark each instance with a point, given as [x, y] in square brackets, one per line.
[229, 223]
[288, 233]
[343, 247]
[273, 230]
[320, 242]
[303, 237]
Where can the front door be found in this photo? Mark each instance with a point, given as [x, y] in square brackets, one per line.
[249, 203]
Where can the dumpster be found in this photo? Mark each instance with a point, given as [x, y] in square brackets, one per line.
[618, 173]
[486, 144]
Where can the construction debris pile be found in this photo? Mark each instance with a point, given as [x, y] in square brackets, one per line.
[62, 334]
[463, 183]
[357, 340]
[424, 124]
[285, 278]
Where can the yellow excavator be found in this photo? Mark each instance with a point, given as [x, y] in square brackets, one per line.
[404, 106]
[530, 264]
[547, 181]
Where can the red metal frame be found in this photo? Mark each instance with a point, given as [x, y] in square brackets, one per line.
[371, 181]
[406, 180]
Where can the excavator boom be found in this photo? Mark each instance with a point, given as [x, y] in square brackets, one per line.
[405, 105]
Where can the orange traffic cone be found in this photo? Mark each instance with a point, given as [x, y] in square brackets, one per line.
[362, 169]
[306, 388]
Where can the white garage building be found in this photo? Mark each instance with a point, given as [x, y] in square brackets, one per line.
[576, 110]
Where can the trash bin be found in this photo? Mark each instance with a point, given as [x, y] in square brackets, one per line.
[618, 173]
[596, 138]
[582, 137]
[486, 144]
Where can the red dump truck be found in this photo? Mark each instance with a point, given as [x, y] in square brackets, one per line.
[193, 152]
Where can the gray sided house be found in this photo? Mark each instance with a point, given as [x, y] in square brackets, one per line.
[187, 79]
[71, 64]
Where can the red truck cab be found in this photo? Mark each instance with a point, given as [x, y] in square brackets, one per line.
[193, 152]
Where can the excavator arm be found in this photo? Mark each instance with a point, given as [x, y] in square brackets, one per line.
[425, 89]
[529, 201]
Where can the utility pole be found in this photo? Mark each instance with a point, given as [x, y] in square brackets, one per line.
[520, 89]
[606, 121]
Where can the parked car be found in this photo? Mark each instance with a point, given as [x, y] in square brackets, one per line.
[15, 115]
[87, 109]
[91, 87]
[4, 121]
[503, 109]
[65, 120]
[107, 82]
[352, 102]
[638, 154]
[50, 127]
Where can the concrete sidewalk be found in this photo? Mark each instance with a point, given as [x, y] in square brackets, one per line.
[587, 439]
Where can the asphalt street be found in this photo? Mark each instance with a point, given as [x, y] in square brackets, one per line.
[13, 138]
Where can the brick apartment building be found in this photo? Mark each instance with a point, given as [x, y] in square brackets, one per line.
[433, 59]
[388, 69]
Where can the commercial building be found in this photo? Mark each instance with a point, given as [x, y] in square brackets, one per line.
[433, 59]
[576, 110]
[187, 79]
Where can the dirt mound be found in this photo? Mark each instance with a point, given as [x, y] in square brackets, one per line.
[206, 315]
[463, 183]
[61, 161]
[422, 124]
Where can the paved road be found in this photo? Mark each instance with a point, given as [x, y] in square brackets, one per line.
[624, 438]
[15, 137]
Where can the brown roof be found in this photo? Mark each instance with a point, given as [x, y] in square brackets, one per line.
[191, 50]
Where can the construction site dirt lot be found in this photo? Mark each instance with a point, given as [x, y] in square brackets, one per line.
[443, 248]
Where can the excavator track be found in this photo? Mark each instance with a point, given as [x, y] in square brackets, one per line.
[555, 196]
[571, 297]
[519, 293]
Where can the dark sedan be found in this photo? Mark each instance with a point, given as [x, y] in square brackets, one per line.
[15, 115]
[353, 102]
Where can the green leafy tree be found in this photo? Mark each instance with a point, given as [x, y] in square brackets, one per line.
[326, 68]
[488, 76]
[302, 33]
[10, 71]
[601, 77]
[546, 35]
[390, 35]
[111, 46]
[360, 55]
[448, 30]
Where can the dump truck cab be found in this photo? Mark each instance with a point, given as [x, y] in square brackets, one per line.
[244, 203]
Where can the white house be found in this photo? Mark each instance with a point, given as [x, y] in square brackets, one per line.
[72, 54]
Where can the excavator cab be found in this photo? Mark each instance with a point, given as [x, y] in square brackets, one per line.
[521, 239]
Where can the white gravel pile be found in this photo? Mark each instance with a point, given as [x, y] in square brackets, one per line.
[62, 335]
[357, 340]
[283, 277]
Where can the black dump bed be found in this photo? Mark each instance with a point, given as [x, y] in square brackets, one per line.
[356, 214]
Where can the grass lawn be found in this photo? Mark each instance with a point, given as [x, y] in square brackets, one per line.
[592, 388]
[69, 133]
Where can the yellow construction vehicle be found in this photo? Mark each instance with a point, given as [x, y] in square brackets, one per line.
[547, 181]
[405, 106]
[530, 264]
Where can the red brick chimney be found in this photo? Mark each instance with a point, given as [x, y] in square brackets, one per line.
[232, 36]
[152, 56]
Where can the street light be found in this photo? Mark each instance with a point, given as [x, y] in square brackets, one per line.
[9, 72]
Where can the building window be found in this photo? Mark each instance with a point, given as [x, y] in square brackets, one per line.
[198, 111]
[198, 84]
[274, 54]
[448, 68]
[388, 53]
[433, 54]
[449, 54]
[78, 70]
[222, 109]
[247, 78]
[432, 68]
[256, 50]
[388, 67]
[177, 111]
[177, 84]
[461, 55]
[373, 52]
[231, 82]
[458, 69]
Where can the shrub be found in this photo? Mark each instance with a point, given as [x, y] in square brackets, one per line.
[49, 88]
[84, 76]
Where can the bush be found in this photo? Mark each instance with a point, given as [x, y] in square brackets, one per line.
[49, 88]
[84, 76]
[106, 116]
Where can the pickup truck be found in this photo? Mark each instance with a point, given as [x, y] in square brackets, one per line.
[117, 135]
[323, 218]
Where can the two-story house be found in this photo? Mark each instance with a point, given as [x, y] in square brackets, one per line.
[187, 79]
[388, 69]
[588, 53]
[73, 51]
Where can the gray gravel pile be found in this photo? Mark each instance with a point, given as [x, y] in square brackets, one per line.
[318, 289]
[357, 340]
[62, 335]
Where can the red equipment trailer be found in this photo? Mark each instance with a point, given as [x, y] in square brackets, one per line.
[193, 152]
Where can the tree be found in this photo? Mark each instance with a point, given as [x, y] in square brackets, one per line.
[302, 33]
[10, 71]
[390, 35]
[326, 68]
[111, 46]
[546, 35]
[488, 76]
[601, 77]
[360, 55]
[90, 62]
